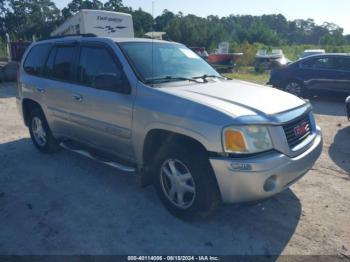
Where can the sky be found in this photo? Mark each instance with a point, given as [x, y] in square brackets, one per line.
[334, 11]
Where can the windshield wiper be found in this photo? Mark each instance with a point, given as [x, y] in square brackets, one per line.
[204, 77]
[170, 79]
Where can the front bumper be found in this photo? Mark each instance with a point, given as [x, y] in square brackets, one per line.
[242, 180]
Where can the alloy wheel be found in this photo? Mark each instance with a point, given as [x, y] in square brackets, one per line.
[294, 88]
[39, 131]
[177, 183]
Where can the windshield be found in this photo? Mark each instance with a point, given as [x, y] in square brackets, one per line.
[167, 61]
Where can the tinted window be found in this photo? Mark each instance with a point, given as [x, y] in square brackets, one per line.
[343, 63]
[95, 61]
[320, 63]
[307, 63]
[48, 71]
[35, 61]
[60, 62]
[325, 63]
[346, 64]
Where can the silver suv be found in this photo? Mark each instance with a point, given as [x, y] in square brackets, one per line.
[156, 109]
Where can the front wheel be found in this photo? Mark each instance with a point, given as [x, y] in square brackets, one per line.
[185, 182]
[295, 88]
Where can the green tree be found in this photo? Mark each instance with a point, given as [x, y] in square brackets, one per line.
[27, 18]
[3, 8]
[76, 5]
[143, 22]
[347, 38]
[116, 6]
[24, 18]
[3, 11]
[162, 21]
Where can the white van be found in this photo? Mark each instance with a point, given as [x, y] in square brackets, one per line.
[98, 22]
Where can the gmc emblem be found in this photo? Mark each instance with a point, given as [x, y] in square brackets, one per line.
[301, 129]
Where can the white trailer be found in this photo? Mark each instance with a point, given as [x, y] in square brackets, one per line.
[100, 23]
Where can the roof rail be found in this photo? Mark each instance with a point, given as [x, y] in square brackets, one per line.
[71, 35]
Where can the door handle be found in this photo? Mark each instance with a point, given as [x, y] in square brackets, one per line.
[40, 89]
[77, 97]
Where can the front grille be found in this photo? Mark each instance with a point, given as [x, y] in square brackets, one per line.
[292, 135]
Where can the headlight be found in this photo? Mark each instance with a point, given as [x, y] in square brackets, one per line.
[246, 139]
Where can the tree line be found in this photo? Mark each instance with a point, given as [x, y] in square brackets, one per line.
[23, 19]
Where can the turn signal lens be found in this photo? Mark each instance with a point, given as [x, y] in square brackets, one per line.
[234, 141]
[246, 139]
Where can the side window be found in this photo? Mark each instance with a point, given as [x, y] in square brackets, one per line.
[343, 63]
[325, 63]
[320, 63]
[96, 61]
[347, 64]
[48, 71]
[309, 63]
[35, 60]
[61, 59]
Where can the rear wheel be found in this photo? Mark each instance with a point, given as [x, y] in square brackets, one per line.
[185, 182]
[40, 132]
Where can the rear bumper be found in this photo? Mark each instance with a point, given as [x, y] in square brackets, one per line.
[264, 176]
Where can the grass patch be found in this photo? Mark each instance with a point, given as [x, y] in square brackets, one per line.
[248, 73]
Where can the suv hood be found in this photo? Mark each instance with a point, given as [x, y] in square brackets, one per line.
[238, 98]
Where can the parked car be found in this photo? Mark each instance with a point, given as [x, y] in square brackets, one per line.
[311, 75]
[156, 109]
[347, 103]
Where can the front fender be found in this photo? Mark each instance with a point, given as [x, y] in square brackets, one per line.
[139, 140]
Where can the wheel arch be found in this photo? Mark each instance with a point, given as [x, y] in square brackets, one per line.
[165, 136]
[27, 106]
[153, 141]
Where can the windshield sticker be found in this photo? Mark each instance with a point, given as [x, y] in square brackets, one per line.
[189, 53]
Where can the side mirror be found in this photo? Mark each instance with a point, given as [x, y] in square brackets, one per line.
[112, 82]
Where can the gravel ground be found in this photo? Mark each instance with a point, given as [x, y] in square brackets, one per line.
[68, 204]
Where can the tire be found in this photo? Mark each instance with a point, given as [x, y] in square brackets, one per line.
[296, 88]
[198, 202]
[40, 132]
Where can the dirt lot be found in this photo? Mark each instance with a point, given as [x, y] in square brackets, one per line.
[67, 204]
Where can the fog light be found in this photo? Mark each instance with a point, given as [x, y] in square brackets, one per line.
[270, 183]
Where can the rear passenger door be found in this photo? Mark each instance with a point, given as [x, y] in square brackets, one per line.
[321, 73]
[58, 87]
[102, 117]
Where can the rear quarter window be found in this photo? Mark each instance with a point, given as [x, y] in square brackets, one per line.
[35, 60]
